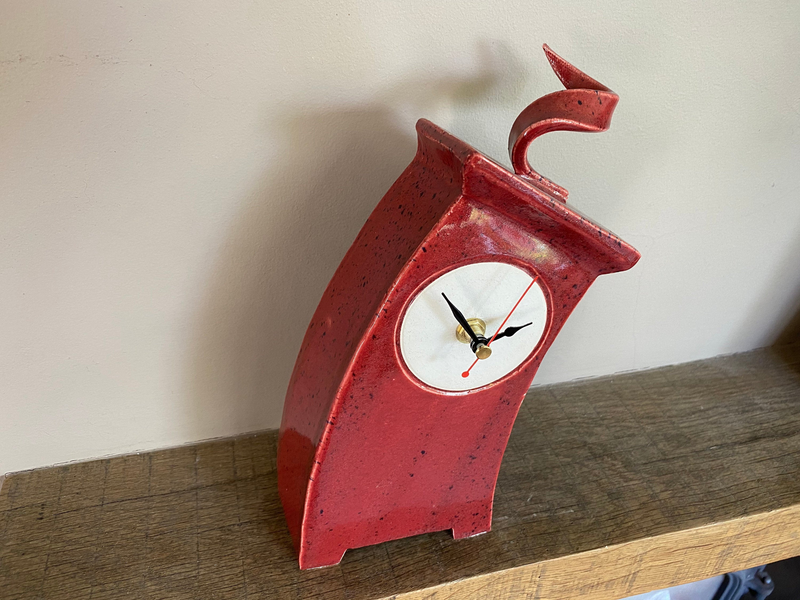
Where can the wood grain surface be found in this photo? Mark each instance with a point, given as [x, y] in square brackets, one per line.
[609, 487]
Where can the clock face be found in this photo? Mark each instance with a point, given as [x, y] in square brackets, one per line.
[507, 299]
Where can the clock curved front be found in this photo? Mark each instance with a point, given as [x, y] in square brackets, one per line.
[504, 297]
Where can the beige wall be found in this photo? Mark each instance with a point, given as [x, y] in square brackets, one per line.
[179, 180]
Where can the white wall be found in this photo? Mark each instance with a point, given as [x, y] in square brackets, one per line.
[179, 180]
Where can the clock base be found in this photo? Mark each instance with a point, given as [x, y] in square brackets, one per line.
[464, 520]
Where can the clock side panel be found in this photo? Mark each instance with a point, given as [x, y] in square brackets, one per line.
[400, 458]
[394, 230]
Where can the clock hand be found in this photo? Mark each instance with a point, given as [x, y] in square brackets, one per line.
[510, 331]
[494, 337]
[479, 344]
[461, 319]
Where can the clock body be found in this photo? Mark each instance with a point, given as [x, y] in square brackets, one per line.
[376, 445]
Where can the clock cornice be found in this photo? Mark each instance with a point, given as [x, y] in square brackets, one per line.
[541, 214]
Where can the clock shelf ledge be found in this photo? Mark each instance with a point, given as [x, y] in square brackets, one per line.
[609, 487]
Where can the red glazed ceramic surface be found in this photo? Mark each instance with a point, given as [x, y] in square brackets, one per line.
[369, 453]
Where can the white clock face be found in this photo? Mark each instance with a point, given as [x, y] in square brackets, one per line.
[490, 291]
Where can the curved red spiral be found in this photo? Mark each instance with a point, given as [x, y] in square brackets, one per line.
[586, 105]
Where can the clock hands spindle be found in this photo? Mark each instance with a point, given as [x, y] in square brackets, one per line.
[479, 345]
[494, 337]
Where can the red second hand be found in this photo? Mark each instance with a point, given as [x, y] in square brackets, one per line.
[499, 329]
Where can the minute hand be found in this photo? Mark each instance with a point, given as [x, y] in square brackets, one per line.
[461, 319]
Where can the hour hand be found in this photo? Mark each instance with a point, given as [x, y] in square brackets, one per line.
[461, 320]
[509, 331]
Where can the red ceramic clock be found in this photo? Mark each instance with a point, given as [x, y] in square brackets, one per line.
[421, 350]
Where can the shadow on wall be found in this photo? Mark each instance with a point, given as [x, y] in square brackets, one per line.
[331, 169]
[786, 338]
[791, 330]
[785, 320]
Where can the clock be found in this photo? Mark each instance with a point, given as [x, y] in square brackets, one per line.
[416, 361]
[504, 298]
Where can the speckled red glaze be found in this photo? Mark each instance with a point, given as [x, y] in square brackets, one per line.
[368, 453]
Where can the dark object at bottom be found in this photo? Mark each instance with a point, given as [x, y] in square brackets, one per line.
[735, 585]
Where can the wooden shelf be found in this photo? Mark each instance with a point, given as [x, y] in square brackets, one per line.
[609, 487]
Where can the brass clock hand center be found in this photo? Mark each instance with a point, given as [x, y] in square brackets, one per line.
[479, 347]
[478, 327]
[482, 351]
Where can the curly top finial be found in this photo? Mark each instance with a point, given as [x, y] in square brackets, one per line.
[586, 105]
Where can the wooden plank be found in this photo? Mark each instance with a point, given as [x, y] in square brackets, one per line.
[609, 487]
[639, 566]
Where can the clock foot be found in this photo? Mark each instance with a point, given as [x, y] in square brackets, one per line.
[475, 524]
[321, 555]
